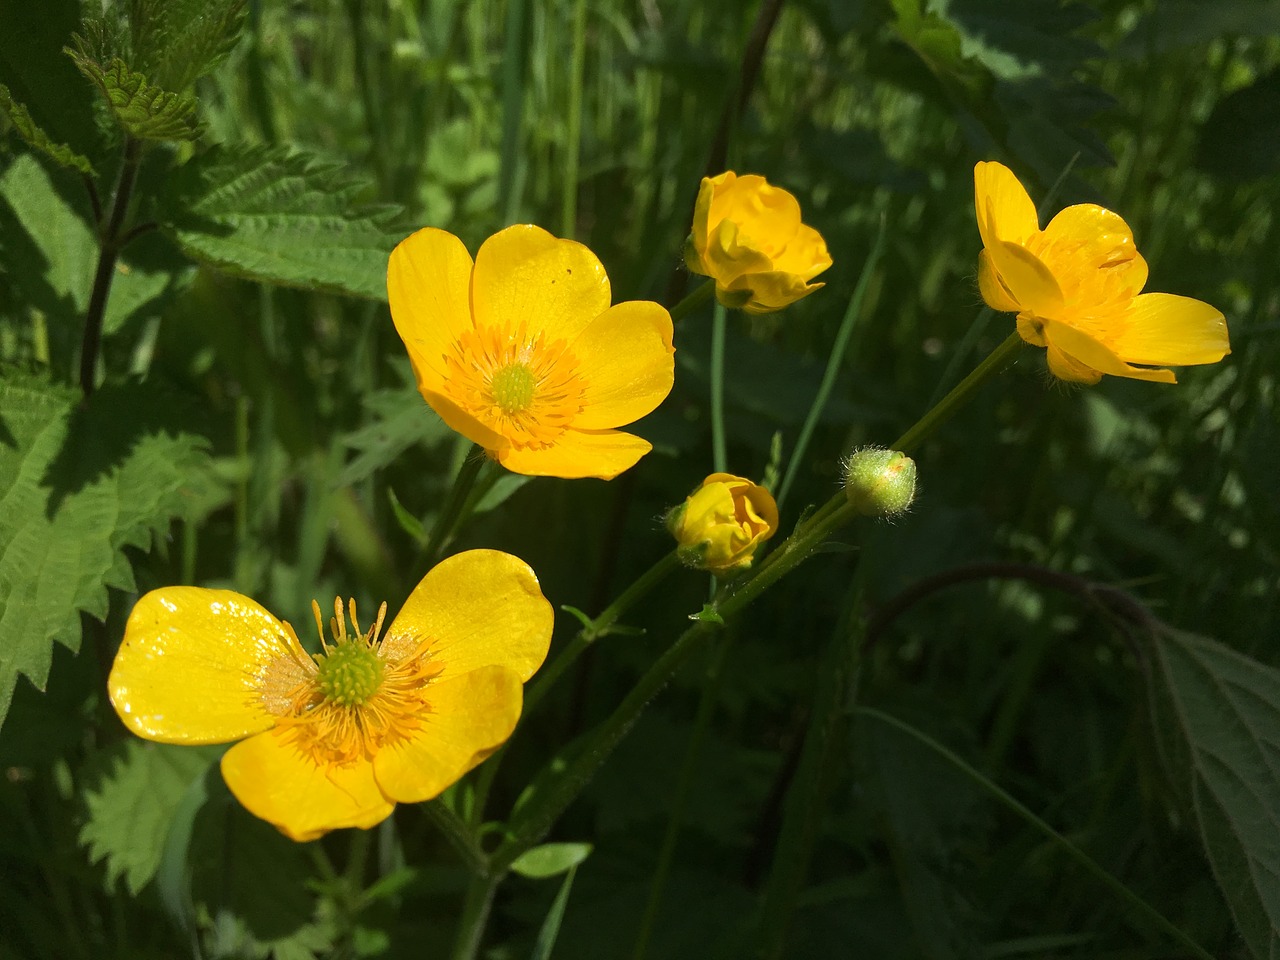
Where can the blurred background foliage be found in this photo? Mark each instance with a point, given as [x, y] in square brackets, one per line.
[278, 427]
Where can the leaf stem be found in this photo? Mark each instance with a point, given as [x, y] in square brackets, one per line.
[452, 511]
[109, 246]
[475, 915]
[459, 835]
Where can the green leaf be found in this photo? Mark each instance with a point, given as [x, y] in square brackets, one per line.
[1225, 709]
[550, 859]
[20, 117]
[176, 41]
[145, 110]
[51, 252]
[288, 218]
[546, 941]
[398, 419]
[78, 484]
[131, 808]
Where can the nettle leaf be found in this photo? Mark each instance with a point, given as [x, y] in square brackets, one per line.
[176, 41]
[145, 110]
[51, 258]
[78, 484]
[131, 807]
[398, 419]
[20, 117]
[1224, 711]
[282, 217]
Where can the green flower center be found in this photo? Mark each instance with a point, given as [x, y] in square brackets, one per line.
[350, 673]
[513, 387]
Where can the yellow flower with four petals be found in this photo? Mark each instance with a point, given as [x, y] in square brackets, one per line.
[337, 739]
[1076, 288]
[748, 237]
[522, 353]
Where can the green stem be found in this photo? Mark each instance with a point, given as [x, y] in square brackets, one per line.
[569, 197]
[109, 246]
[1076, 854]
[598, 627]
[459, 835]
[700, 295]
[997, 360]
[706, 706]
[451, 512]
[475, 914]
[719, 322]
[834, 362]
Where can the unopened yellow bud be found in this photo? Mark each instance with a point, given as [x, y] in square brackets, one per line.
[720, 525]
[880, 482]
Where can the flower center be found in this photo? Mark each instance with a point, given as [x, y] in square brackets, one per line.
[350, 673]
[361, 695]
[516, 382]
[513, 387]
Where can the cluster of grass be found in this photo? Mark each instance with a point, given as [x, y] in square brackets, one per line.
[863, 765]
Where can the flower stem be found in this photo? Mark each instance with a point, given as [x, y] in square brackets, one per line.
[475, 915]
[109, 246]
[459, 836]
[939, 413]
[700, 295]
[719, 456]
[451, 512]
[598, 627]
[834, 362]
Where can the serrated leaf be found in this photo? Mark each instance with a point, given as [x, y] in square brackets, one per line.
[131, 807]
[399, 419]
[550, 859]
[59, 153]
[288, 218]
[145, 110]
[51, 252]
[1225, 708]
[78, 484]
[177, 41]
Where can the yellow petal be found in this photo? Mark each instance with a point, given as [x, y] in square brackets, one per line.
[479, 608]
[1028, 281]
[695, 251]
[1031, 329]
[300, 798]
[1068, 368]
[1089, 352]
[463, 422]
[806, 255]
[578, 453]
[1091, 249]
[471, 716]
[768, 217]
[731, 254]
[525, 275]
[994, 293]
[1005, 211]
[772, 291]
[1161, 328]
[627, 358]
[191, 664]
[428, 287]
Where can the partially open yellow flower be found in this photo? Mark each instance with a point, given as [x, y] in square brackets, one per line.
[337, 739]
[522, 353]
[722, 523]
[748, 237]
[1076, 287]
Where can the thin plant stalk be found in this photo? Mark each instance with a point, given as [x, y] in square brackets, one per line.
[719, 454]
[834, 362]
[693, 300]
[451, 513]
[573, 144]
[110, 243]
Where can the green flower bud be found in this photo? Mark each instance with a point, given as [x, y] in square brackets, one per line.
[880, 482]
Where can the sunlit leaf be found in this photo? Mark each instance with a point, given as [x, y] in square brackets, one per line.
[144, 109]
[20, 117]
[550, 859]
[131, 808]
[78, 484]
[283, 217]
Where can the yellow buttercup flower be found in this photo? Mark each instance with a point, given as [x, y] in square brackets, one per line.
[1076, 287]
[720, 525]
[522, 353]
[747, 236]
[337, 739]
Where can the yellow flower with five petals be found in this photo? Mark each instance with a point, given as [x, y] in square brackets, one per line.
[748, 237]
[1076, 288]
[522, 353]
[337, 739]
